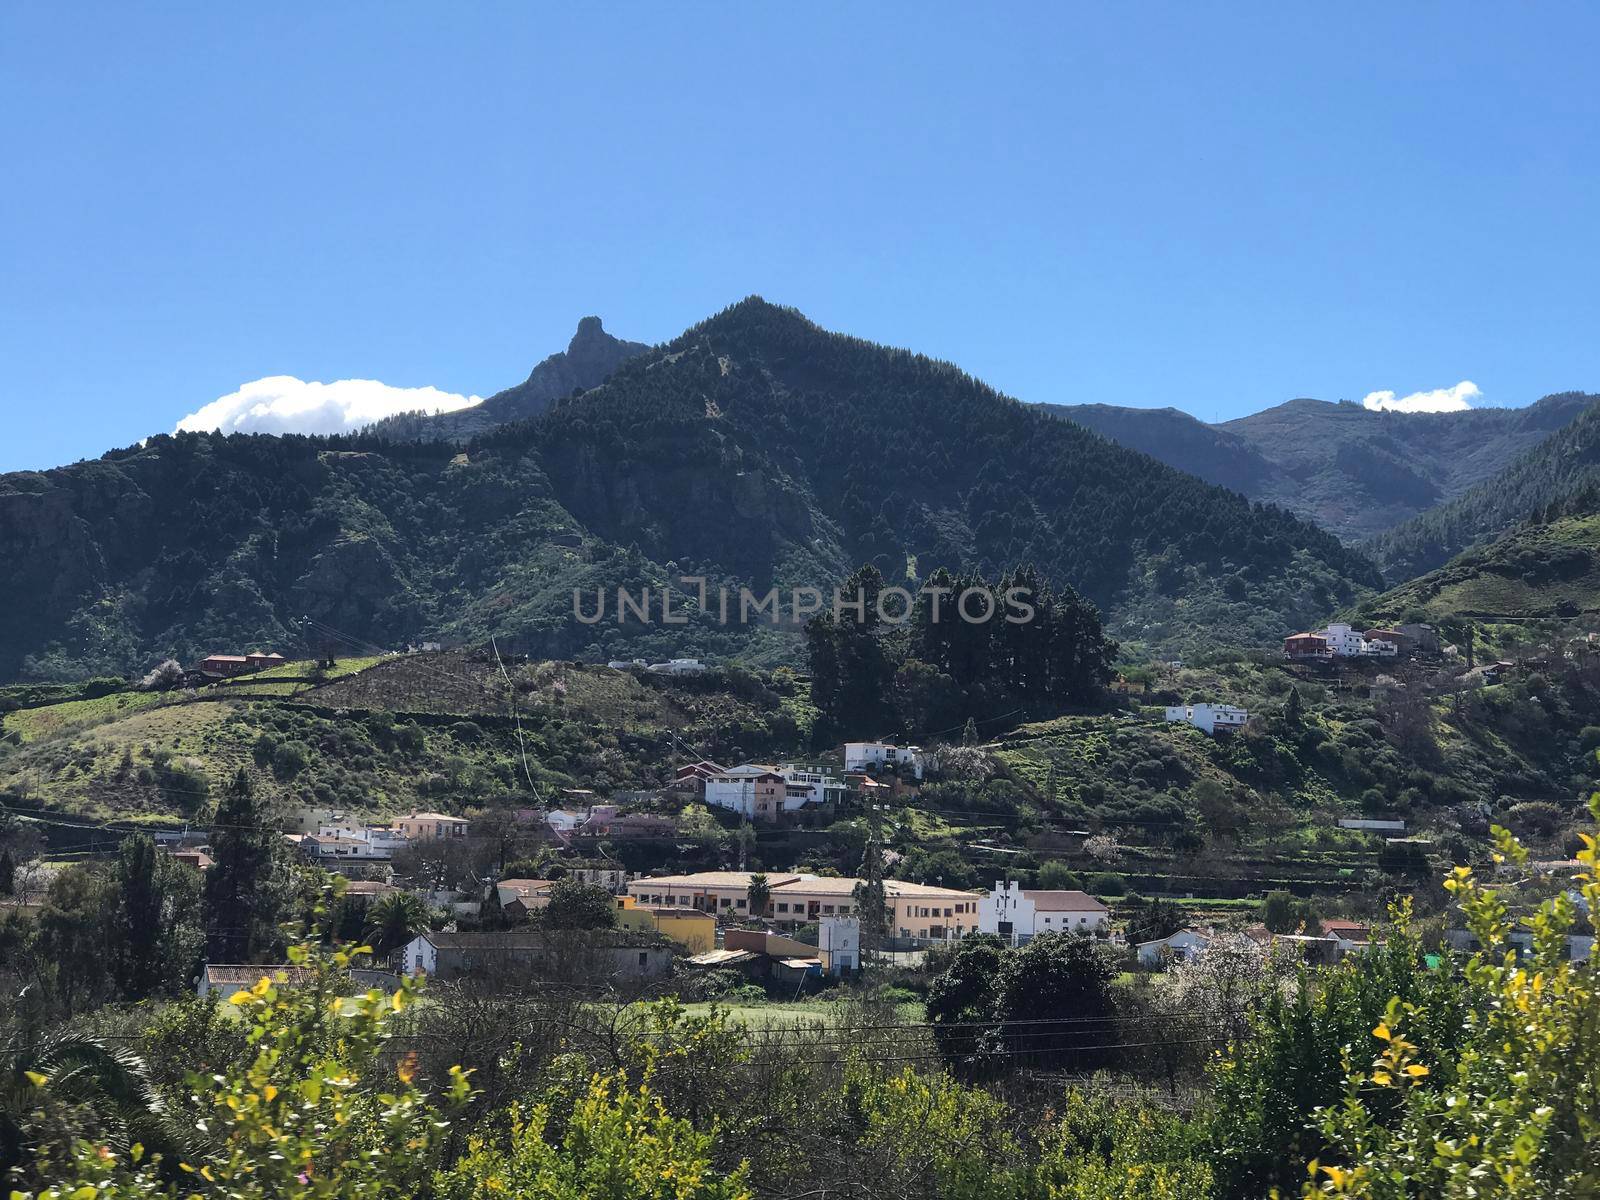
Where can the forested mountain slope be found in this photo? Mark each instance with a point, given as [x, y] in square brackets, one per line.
[1553, 473]
[1179, 440]
[756, 448]
[1351, 470]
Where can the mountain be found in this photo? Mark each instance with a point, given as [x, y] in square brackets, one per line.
[587, 362]
[755, 449]
[1552, 473]
[1351, 470]
[1174, 437]
[1548, 567]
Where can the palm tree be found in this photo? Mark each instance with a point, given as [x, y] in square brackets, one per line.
[759, 894]
[58, 1081]
[395, 919]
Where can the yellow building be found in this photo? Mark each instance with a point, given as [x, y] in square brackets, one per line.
[915, 910]
[692, 929]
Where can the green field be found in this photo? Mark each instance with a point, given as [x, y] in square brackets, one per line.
[38, 724]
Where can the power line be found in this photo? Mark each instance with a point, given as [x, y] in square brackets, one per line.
[511, 695]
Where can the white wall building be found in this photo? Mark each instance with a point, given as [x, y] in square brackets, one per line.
[1183, 946]
[1347, 642]
[839, 945]
[1209, 717]
[1343, 640]
[763, 793]
[809, 785]
[678, 666]
[858, 756]
[1016, 914]
[1375, 824]
[360, 843]
[563, 821]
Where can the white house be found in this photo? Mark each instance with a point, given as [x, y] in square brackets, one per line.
[764, 793]
[858, 756]
[1374, 824]
[808, 785]
[563, 821]
[678, 666]
[1017, 914]
[1183, 946]
[1209, 717]
[1343, 640]
[355, 843]
[1347, 642]
[839, 945]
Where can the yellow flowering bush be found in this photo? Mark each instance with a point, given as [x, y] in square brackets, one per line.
[1517, 1112]
[620, 1144]
[308, 1117]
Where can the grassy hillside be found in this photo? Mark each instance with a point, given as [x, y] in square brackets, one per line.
[1193, 813]
[1543, 569]
[397, 735]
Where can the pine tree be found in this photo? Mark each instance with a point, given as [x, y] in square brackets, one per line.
[239, 909]
[136, 923]
[871, 900]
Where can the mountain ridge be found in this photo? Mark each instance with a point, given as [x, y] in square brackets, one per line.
[1350, 469]
[1549, 474]
[755, 448]
[588, 361]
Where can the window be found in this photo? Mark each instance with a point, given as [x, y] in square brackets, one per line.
[727, 902]
[828, 908]
[739, 903]
[783, 908]
[644, 958]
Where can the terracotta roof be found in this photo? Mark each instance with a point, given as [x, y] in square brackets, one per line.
[540, 940]
[713, 879]
[526, 887]
[1064, 901]
[249, 974]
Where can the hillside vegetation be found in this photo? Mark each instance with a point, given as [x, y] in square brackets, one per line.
[1545, 568]
[755, 449]
[1552, 476]
[411, 732]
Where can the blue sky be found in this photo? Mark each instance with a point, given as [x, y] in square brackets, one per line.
[1210, 206]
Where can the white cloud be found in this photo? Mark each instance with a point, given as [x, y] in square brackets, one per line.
[1450, 399]
[284, 404]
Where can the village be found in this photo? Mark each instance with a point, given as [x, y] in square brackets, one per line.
[781, 930]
